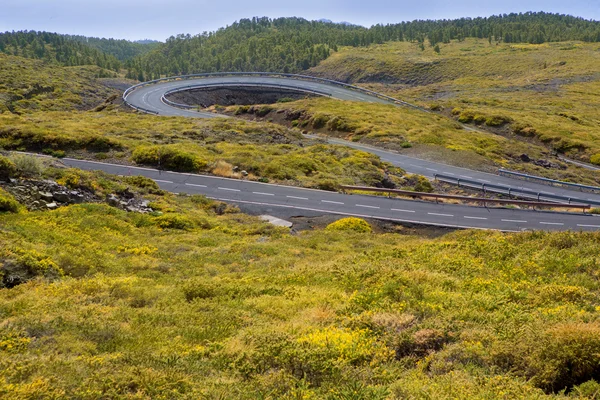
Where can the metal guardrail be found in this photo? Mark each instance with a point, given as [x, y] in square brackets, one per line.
[273, 74]
[546, 180]
[483, 200]
[510, 191]
[211, 85]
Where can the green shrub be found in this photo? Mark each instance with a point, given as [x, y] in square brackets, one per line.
[142, 182]
[569, 355]
[350, 224]
[8, 203]
[262, 111]
[28, 265]
[54, 153]
[497, 120]
[199, 290]
[319, 121]
[595, 159]
[167, 157]
[7, 168]
[27, 166]
[466, 117]
[423, 185]
[174, 221]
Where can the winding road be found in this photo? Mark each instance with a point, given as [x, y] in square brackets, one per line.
[151, 98]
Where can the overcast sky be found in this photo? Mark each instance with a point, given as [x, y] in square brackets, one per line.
[159, 19]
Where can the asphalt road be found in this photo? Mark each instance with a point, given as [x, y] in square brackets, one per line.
[272, 198]
[151, 98]
[430, 169]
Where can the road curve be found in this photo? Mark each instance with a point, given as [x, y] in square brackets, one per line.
[151, 98]
[271, 197]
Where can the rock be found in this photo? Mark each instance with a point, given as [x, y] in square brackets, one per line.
[52, 206]
[46, 196]
[112, 200]
[276, 221]
[78, 198]
[244, 173]
[127, 194]
[61, 197]
[236, 168]
[525, 158]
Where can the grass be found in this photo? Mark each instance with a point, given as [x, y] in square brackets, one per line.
[265, 151]
[545, 95]
[192, 304]
[32, 85]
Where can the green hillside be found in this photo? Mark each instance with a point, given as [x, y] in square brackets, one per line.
[539, 94]
[193, 304]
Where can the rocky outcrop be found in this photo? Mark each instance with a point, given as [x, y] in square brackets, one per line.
[39, 195]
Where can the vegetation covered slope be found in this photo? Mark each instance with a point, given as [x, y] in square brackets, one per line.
[541, 94]
[265, 151]
[191, 304]
[53, 47]
[294, 44]
[33, 85]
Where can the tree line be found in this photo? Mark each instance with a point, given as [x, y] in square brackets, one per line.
[295, 44]
[288, 45]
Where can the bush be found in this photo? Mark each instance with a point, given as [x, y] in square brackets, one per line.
[319, 121]
[497, 120]
[199, 290]
[8, 203]
[27, 266]
[27, 166]
[595, 159]
[142, 182]
[168, 158]
[7, 168]
[350, 224]
[173, 221]
[466, 117]
[568, 356]
[423, 185]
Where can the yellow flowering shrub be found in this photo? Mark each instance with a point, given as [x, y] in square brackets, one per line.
[350, 224]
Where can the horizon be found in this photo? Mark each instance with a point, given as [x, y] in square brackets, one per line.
[152, 23]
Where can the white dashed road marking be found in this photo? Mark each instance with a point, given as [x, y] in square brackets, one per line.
[264, 194]
[441, 215]
[331, 202]
[406, 211]
[361, 205]
[231, 190]
[513, 220]
[158, 180]
[482, 218]
[192, 184]
[297, 198]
